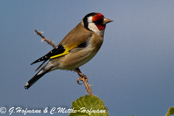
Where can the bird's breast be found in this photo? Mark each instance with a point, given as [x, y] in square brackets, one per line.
[80, 56]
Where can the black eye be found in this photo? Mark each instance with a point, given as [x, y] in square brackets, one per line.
[99, 22]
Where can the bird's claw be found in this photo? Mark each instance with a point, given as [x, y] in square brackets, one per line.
[82, 78]
[78, 80]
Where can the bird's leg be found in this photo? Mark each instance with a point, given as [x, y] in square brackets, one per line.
[82, 76]
[84, 79]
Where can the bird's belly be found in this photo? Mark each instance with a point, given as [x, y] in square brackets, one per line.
[75, 60]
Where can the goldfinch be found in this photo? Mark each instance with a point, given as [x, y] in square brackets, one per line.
[78, 47]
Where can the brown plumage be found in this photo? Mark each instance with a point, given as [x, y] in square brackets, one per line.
[78, 56]
[78, 47]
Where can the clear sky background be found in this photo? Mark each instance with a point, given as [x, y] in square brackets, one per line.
[133, 73]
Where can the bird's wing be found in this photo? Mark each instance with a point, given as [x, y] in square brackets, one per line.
[76, 38]
[58, 50]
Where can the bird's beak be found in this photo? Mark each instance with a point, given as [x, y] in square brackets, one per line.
[105, 21]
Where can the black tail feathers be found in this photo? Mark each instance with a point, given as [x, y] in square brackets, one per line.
[34, 79]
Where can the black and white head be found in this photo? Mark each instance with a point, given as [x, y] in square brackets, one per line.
[95, 22]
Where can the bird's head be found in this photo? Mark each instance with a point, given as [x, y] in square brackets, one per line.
[95, 22]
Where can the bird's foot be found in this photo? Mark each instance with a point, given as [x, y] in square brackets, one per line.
[81, 78]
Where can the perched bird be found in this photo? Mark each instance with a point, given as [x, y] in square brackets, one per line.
[78, 47]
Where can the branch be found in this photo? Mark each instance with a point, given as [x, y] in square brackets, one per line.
[45, 39]
[88, 87]
[85, 80]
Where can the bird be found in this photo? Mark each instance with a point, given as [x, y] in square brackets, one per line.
[78, 47]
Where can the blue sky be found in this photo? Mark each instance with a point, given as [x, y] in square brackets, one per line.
[132, 73]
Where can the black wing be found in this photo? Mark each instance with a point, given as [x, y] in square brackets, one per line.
[58, 50]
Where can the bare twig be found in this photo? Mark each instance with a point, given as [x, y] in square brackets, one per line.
[85, 80]
[45, 39]
[88, 87]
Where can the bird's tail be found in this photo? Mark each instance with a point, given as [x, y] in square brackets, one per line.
[35, 78]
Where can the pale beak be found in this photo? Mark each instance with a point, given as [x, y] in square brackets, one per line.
[105, 21]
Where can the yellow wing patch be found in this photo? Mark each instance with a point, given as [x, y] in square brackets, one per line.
[64, 53]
